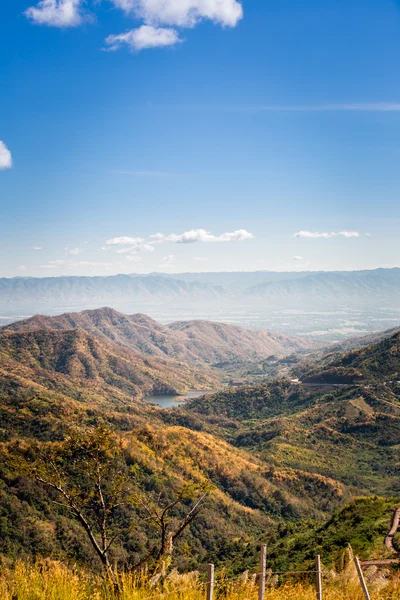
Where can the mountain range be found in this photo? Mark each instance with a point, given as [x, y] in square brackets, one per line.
[23, 295]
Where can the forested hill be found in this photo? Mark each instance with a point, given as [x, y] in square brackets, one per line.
[376, 363]
[77, 359]
[350, 434]
[194, 342]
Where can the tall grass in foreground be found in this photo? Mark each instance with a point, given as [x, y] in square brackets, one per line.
[55, 581]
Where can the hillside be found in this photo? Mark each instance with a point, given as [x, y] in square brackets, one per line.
[350, 435]
[194, 342]
[355, 343]
[95, 363]
[363, 524]
[54, 380]
[275, 455]
[376, 363]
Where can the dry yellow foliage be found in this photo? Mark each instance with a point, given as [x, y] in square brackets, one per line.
[48, 580]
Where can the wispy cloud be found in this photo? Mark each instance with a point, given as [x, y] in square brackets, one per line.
[133, 258]
[5, 157]
[142, 38]
[57, 13]
[297, 258]
[136, 249]
[68, 263]
[124, 240]
[326, 234]
[202, 236]
[334, 107]
[167, 262]
[144, 173]
[73, 251]
[37, 248]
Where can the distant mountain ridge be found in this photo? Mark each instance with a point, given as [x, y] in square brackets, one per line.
[198, 343]
[30, 292]
[31, 295]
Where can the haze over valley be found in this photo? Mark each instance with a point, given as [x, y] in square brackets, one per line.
[324, 305]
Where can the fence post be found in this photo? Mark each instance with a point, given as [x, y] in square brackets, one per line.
[318, 578]
[361, 578]
[210, 582]
[263, 566]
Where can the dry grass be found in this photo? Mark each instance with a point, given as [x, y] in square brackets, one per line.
[54, 581]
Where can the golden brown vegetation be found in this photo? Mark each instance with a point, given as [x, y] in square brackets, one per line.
[48, 580]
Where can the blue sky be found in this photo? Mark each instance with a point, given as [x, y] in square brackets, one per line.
[240, 123]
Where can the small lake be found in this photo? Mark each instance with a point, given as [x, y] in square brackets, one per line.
[171, 401]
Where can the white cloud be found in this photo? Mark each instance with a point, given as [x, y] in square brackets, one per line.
[144, 37]
[5, 157]
[86, 263]
[203, 236]
[133, 258]
[56, 13]
[200, 258]
[136, 249]
[52, 264]
[124, 241]
[183, 13]
[167, 262]
[326, 234]
[22, 268]
[58, 263]
[297, 258]
[157, 237]
[73, 251]
[37, 248]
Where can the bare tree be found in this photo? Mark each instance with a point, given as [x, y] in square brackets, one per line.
[168, 523]
[88, 474]
[89, 477]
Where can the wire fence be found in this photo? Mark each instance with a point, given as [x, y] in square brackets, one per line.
[219, 582]
[258, 581]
